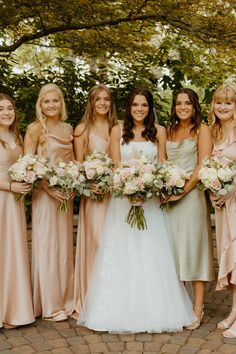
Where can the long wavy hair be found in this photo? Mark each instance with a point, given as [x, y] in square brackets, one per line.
[14, 128]
[225, 93]
[150, 130]
[89, 114]
[41, 117]
[196, 118]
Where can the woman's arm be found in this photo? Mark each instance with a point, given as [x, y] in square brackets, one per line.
[115, 143]
[31, 139]
[161, 137]
[80, 137]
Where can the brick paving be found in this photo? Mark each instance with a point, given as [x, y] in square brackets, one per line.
[45, 337]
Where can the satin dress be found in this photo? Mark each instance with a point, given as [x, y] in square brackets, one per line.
[90, 223]
[134, 286]
[16, 306]
[189, 219]
[226, 224]
[52, 244]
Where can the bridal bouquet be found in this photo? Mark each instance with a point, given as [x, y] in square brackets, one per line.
[98, 169]
[217, 174]
[170, 179]
[30, 169]
[68, 177]
[134, 179]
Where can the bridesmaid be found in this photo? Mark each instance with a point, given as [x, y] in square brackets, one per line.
[52, 230]
[92, 134]
[223, 126]
[15, 289]
[189, 142]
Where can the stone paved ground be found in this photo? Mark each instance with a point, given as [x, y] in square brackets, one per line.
[65, 337]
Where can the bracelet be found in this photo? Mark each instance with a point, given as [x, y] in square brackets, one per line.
[10, 186]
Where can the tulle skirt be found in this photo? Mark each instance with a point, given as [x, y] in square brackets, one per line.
[134, 286]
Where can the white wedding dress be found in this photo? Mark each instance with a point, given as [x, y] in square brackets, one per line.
[134, 286]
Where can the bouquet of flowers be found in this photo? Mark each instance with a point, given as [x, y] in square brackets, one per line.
[98, 169]
[217, 174]
[30, 169]
[170, 179]
[68, 177]
[134, 179]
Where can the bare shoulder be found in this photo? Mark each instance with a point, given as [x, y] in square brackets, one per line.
[116, 130]
[161, 130]
[67, 127]
[35, 128]
[79, 130]
[204, 129]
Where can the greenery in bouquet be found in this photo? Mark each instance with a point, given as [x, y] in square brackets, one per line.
[69, 178]
[217, 174]
[98, 170]
[170, 180]
[134, 180]
[29, 169]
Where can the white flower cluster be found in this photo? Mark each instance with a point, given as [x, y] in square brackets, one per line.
[98, 169]
[134, 178]
[66, 175]
[170, 179]
[217, 174]
[29, 168]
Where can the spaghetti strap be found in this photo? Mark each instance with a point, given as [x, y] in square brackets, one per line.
[121, 132]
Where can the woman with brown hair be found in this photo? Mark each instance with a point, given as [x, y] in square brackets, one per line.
[189, 142]
[16, 306]
[93, 133]
[52, 230]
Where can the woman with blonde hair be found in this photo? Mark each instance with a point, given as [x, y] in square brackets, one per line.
[16, 306]
[93, 133]
[223, 126]
[52, 230]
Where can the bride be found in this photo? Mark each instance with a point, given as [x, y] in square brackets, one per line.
[134, 286]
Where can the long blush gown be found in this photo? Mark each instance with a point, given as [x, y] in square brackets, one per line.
[90, 222]
[16, 306]
[189, 219]
[52, 244]
[226, 224]
[134, 286]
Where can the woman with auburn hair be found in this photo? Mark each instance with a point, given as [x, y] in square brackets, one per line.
[16, 306]
[188, 143]
[93, 133]
[52, 230]
[134, 286]
[223, 126]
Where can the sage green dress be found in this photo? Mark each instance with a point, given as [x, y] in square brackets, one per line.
[189, 220]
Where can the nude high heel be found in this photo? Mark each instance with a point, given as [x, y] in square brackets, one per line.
[224, 324]
[197, 323]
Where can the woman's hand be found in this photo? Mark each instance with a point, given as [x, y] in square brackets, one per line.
[218, 201]
[95, 189]
[136, 201]
[20, 187]
[54, 192]
[170, 198]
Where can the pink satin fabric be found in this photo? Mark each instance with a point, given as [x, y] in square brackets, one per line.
[52, 245]
[226, 225]
[90, 223]
[15, 287]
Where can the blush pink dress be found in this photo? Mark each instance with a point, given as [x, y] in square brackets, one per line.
[90, 224]
[15, 289]
[226, 224]
[52, 244]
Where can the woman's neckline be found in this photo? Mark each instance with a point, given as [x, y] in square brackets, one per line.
[179, 141]
[99, 137]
